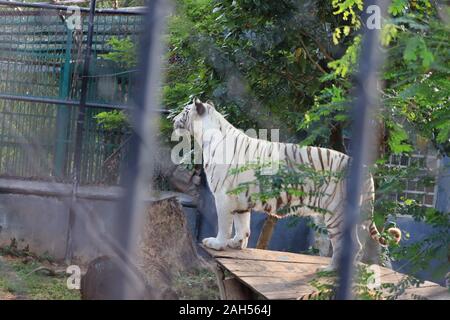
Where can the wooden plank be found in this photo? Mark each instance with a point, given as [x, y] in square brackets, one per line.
[279, 288]
[236, 290]
[220, 275]
[286, 275]
[268, 255]
[432, 292]
[270, 267]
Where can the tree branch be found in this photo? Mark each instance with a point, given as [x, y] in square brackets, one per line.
[311, 59]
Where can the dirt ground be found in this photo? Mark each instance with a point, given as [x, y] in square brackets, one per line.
[27, 277]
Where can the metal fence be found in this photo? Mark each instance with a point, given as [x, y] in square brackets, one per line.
[428, 164]
[41, 62]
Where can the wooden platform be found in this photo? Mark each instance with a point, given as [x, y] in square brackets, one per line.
[265, 274]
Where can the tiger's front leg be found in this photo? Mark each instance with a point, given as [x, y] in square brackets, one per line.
[225, 225]
[242, 231]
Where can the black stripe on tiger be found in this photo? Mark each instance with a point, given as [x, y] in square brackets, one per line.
[319, 151]
[311, 162]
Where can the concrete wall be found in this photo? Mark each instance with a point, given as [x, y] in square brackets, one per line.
[37, 214]
[40, 222]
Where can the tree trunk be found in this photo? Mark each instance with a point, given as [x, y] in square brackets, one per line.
[166, 246]
[266, 232]
[336, 139]
[165, 249]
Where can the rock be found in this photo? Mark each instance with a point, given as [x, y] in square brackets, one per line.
[100, 281]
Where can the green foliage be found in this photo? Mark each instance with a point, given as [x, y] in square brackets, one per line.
[397, 289]
[416, 48]
[111, 3]
[20, 275]
[397, 138]
[418, 255]
[330, 106]
[346, 64]
[349, 10]
[388, 34]
[364, 287]
[416, 77]
[123, 52]
[13, 250]
[397, 7]
[34, 285]
[112, 120]
[197, 284]
[248, 55]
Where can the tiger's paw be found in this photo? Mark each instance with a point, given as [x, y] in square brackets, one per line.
[214, 243]
[238, 243]
[329, 268]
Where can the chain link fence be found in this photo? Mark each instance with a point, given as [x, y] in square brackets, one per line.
[41, 61]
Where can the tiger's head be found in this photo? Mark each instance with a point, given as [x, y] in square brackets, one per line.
[196, 112]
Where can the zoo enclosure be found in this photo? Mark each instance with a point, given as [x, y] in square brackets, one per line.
[41, 77]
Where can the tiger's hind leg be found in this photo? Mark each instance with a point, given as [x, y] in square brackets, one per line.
[321, 241]
[336, 243]
[242, 231]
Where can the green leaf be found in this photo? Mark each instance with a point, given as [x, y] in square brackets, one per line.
[388, 33]
[410, 51]
[397, 140]
[397, 7]
[346, 30]
[417, 48]
[427, 57]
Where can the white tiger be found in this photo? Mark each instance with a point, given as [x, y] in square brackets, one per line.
[225, 147]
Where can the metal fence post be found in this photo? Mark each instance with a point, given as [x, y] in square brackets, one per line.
[139, 171]
[364, 108]
[63, 112]
[80, 129]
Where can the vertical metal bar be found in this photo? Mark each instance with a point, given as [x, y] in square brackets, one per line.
[62, 113]
[80, 129]
[138, 174]
[364, 108]
[84, 93]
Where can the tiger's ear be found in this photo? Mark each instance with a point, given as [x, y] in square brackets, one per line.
[199, 106]
[210, 103]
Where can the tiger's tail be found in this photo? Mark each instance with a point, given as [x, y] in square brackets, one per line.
[369, 200]
[396, 234]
